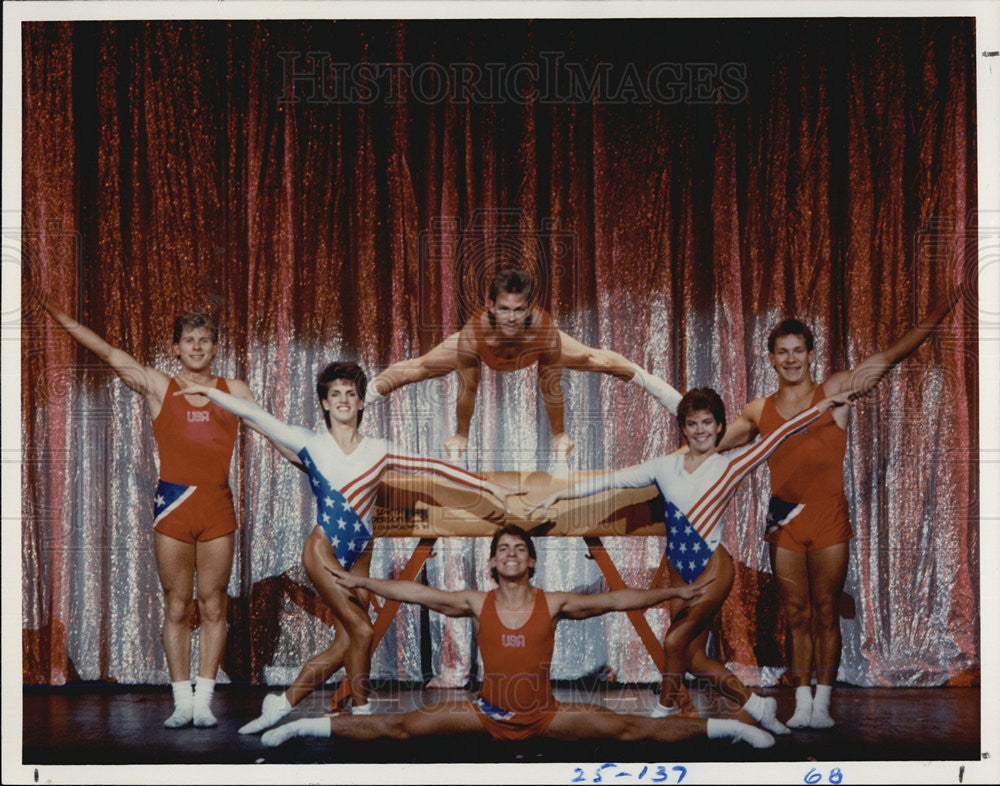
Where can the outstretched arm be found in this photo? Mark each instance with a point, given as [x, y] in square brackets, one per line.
[710, 507]
[744, 428]
[870, 372]
[631, 477]
[465, 603]
[291, 437]
[142, 379]
[439, 361]
[575, 606]
[240, 390]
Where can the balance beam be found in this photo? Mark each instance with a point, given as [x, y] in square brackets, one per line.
[412, 505]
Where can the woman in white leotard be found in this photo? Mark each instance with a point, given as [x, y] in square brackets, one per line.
[345, 468]
[696, 487]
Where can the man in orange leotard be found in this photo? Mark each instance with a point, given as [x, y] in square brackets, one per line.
[808, 523]
[194, 518]
[509, 333]
[516, 634]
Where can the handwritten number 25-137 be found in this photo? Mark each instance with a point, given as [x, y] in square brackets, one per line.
[658, 774]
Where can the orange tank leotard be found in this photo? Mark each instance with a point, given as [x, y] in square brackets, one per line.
[516, 700]
[808, 508]
[528, 351]
[193, 500]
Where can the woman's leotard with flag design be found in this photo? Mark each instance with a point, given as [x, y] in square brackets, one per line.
[694, 502]
[345, 484]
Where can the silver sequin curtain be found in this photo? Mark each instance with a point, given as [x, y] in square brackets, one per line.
[832, 177]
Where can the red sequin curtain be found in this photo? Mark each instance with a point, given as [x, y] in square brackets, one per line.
[678, 186]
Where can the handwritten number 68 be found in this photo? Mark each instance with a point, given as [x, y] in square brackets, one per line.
[814, 776]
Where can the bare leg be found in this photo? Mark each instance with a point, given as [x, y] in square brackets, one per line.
[314, 673]
[827, 572]
[175, 561]
[349, 608]
[455, 717]
[689, 621]
[715, 673]
[571, 722]
[791, 571]
[685, 645]
[319, 667]
[587, 721]
[213, 564]
[763, 710]
[444, 718]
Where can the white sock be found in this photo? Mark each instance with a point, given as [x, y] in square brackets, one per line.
[765, 712]
[371, 395]
[656, 387]
[820, 716]
[183, 705]
[274, 708]
[204, 689]
[803, 708]
[726, 727]
[306, 727]
[362, 709]
[663, 711]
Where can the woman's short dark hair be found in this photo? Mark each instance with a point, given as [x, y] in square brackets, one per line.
[192, 320]
[790, 327]
[340, 369]
[698, 399]
[515, 280]
[517, 532]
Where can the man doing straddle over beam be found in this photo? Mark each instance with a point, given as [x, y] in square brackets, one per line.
[510, 333]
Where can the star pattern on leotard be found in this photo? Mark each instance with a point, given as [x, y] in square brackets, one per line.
[169, 496]
[683, 541]
[341, 524]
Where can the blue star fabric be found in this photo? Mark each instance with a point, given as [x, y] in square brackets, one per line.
[686, 549]
[492, 711]
[779, 513]
[342, 526]
[169, 497]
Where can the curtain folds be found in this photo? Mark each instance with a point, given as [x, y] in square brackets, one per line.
[677, 185]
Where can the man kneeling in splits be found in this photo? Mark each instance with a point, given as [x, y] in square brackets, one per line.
[516, 634]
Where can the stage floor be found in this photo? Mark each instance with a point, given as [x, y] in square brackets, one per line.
[116, 725]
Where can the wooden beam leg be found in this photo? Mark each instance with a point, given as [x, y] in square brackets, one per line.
[661, 571]
[614, 579]
[388, 609]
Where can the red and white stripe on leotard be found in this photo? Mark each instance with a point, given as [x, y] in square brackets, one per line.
[362, 490]
[707, 511]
